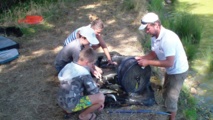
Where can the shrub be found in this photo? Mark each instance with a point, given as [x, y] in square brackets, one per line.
[156, 6]
[187, 26]
[128, 5]
[190, 48]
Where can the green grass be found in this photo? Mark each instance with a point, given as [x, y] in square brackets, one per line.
[187, 25]
[156, 6]
[202, 9]
[191, 114]
[203, 63]
[146, 43]
[191, 49]
[48, 9]
[188, 105]
[210, 65]
[128, 5]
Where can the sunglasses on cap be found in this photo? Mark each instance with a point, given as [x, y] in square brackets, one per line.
[144, 23]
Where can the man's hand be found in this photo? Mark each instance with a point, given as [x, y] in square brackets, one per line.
[110, 62]
[143, 62]
[138, 58]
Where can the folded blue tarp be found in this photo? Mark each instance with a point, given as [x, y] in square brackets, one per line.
[8, 50]
[6, 43]
[8, 55]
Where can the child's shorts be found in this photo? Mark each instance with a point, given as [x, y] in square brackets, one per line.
[83, 104]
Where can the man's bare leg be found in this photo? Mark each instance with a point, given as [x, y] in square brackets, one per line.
[172, 116]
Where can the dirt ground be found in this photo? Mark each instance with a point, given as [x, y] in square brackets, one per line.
[28, 85]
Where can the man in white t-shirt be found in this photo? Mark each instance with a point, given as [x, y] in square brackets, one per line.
[168, 49]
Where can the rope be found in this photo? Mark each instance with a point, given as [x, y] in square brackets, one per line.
[138, 111]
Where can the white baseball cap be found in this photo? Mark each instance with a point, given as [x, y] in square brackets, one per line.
[148, 18]
[89, 33]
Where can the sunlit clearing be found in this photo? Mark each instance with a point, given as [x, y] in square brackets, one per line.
[202, 91]
[199, 7]
[118, 35]
[39, 52]
[2, 68]
[31, 30]
[90, 6]
[13, 67]
[67, 32]
[23, 58]
[57, 49]
[203, 62]
[200, 66]
[5, 69]
[110, 21]
[104, 11]
[47, 25]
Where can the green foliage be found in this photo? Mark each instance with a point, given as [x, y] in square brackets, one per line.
[33, 29]
[146, 43]
[166, 19]
[19, 11]
[174, 1]
[188, 104]
[209, 59]
[28, 31]
[190, 114]
[210, 65]
[156, 6]
[128, 5]
[190, 48]
[48, 9]
[187, 25]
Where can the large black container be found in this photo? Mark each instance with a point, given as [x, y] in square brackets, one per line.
[133, 80]
[132, 77]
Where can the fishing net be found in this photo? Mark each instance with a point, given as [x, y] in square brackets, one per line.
[132, 79]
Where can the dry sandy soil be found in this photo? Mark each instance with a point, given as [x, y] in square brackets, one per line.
[28, 85]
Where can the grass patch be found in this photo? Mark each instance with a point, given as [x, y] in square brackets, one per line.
[209, 58]
[128, 5]
[206, 59]
[187, 25]
[48, 9]
[132, 5]
[188, 104]
[146, 43]
[190, 48]
[156, 6]
[191, 114]
[210, 65]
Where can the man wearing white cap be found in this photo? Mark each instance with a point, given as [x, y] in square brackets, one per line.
[168, 49]
[70, 53]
